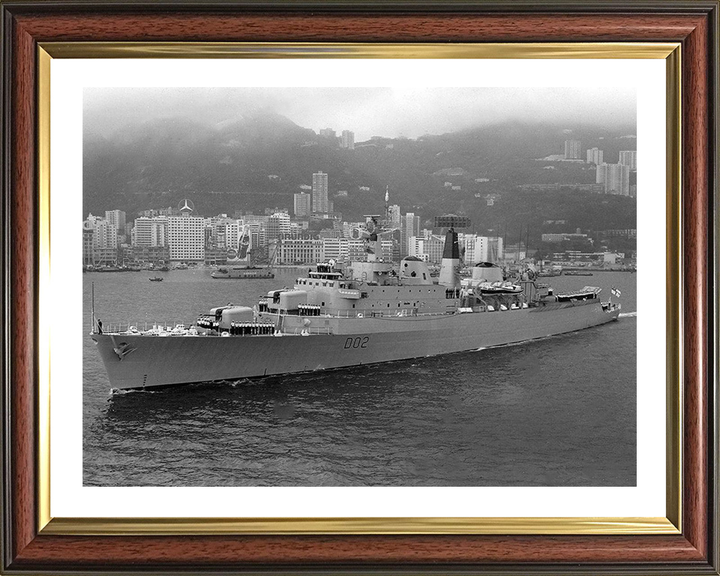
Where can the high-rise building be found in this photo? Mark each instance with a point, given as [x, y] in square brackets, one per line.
[257, 231]
[427, 248]
[118, 219]
[320, 193]
[488, 249]
[150, 232]
[302, 206]
[335, 249]
[595, 156]
[100, 241]
[229, 234]
[615, 178]
[572, 149]
[186, 237]
[394, 215]
[347, 140]
[480, 248]
[328, 133]
[88, 231]
[278, 226]
[105, 235]
[409, 227]
[629, 158]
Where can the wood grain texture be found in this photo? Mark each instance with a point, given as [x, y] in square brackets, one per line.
[22, 290]
[696, 202]
[320, 27]
[226, 551]
[687, 553]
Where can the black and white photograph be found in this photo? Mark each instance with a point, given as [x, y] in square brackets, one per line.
[359, 287]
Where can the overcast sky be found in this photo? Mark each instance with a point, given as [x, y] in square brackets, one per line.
[389, 112]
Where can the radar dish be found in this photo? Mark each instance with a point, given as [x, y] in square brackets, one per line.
[451, 221]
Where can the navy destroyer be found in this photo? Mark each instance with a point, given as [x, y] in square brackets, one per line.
[370, 312]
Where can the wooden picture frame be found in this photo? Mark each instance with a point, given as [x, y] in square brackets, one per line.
[31, 545]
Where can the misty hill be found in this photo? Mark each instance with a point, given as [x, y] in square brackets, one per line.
[261, 159]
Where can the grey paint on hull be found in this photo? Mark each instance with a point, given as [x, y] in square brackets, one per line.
[151, 361]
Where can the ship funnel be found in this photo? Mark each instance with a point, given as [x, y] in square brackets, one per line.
[450, 267]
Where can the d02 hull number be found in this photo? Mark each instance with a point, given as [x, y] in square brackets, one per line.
[357, 342]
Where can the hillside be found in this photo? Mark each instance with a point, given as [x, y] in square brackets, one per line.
[260, 160]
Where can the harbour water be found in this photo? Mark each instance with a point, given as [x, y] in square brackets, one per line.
[553, 412]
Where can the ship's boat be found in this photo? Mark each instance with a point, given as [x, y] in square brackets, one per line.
[367, 313]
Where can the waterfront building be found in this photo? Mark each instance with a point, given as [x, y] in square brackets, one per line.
[595, 156]
[278, 226]
[629, 158]
[148, 254]
[320, 193]
[427, 248]
[118, 219]
[572, 149]
[335, 249]
[100, 242]
[356, 250]
[88, 233]
[256, 228]
[299, 251]
[480, 248]
[215, 256]
[227, 234]
[302, 205]
[186, 236]
[105, 235]
[149, 232]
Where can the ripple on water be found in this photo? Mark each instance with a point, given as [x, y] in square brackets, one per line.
[559, 411]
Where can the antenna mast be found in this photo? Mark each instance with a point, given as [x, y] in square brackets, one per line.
[92, 308]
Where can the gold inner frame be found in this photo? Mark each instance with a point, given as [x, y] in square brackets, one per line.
[671, 524]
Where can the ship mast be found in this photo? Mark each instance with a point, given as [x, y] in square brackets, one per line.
[92, 308]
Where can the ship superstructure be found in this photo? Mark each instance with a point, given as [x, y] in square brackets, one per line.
[334, 317]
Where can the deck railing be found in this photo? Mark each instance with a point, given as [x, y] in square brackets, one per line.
[147, 327]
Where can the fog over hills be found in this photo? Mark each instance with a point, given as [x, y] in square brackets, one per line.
[260, 159]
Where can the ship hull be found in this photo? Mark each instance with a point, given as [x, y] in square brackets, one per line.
[137, 361]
